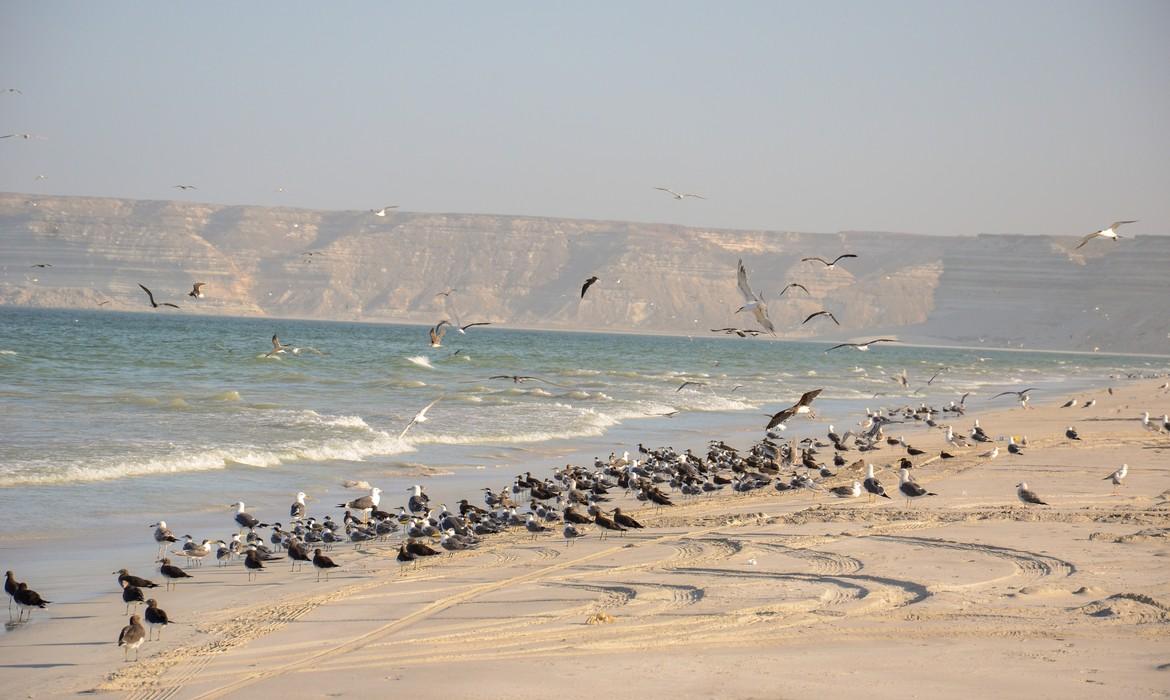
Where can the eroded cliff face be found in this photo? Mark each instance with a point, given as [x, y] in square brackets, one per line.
[996, 290]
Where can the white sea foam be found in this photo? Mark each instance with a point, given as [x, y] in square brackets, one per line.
[420, 361]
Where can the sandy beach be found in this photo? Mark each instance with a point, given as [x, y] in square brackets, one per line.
[765, 595]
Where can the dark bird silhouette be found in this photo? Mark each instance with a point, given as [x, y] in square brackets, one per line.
[172, 573]
[821, 313]
[827, 264]
[862, 346]
[197, 290]
[798, 285]
[626, 521]
[802, 405]
[322, 563]
[588, 283]
[153, 304]
[156, 617]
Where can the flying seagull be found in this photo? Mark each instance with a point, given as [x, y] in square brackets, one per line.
[752, 301]
[277, 347]
[420, 417]
[1028, 496]
[445, 293]
[151, 297]
[862, 346]
[588, 283]
[1110, 232]
[438, 332]
[197, 290]
[382, 211]
[42, 265]
[794, 284]
[463, 329]
[802, 405]
[15, 90]
[679, 195]
[827, 264]
[519, 378]
[1019, 394]
[185, 187]
[741, 332]
[821, 313]
[686, 384]
[22, 136]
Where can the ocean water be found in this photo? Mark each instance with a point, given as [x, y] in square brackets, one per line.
[117, 420]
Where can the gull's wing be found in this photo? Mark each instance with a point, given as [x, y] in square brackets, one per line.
[666, 189]
[780, 417]
[148, 293]
[846, 255]
[1115, 224]
[691, 194]
[807, 397]
[761, 313]
[478, 323]
[742, 282]
[822, 260]
[1003, 393]
[842, 345]
[794, 284]
[1087, 238]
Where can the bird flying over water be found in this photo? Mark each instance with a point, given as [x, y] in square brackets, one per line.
[802, 405]
[679, 195]
[1019, 394]
[438, 332]
[150, 296]
[794, 284]
[752, 301]
[827, 264]
[197, 290]
[520, 378]
[185, 187]
[1110, 232]
[821, 313]
[588, 283]
[277, 346]
[420, 417]
[383, 210]
[686, 384]
[862, 346]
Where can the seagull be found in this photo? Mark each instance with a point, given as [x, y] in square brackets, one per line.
[679, 195]
[171, 573]
[571, 533]
[446, 292]
[245, 519]
[520, 378]
[322, 563]
[1071, 433]
[383, 210]
[862, 346]
[151, 297]
[990, 454]
[463, 329]
[1110, 232]
[588, 283]
[26, 599]
[420, 417]
[185, 187]
[277, 347]
[1070, 403]
[741, 332]
[297, 509]
[1027, 496]
[752, 301]
[872, 485]
[802, 405]
[42, 265]
[23, 136]
[155, 617]
[364, 502]
[14, 90]
[686, 384]
[131, 637]
[1019, 394]
[1118, 475]
[794, 284]
[197, 290]
[821, 313]
[829, 265]
[910, 488]
[438, 332]
[847, 491]
[1090, 403]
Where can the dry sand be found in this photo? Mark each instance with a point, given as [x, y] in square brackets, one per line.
[767, 595]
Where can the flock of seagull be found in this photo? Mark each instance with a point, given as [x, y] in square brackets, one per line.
[573, 501]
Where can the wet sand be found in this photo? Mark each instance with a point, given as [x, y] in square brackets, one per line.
[762, 595]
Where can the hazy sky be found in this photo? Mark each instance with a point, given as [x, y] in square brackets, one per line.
[930, 117]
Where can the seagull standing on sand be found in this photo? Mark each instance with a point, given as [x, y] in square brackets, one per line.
[297, 510]
[1027, 496]
[1117, 476]
[131, 637]
[1110, 232]
[1071, 433]
[156, 617]
[751, 301]
[1090, 403]
[872, 485]
[365, 502]
[910, 488]
[679, 195]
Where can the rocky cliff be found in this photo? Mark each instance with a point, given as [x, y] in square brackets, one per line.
[1014, 291]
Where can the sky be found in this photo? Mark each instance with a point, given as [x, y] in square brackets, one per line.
[933, 117]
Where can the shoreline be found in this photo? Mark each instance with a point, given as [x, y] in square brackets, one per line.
[799, 519]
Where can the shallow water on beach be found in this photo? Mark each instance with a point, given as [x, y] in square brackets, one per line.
[120, 419]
